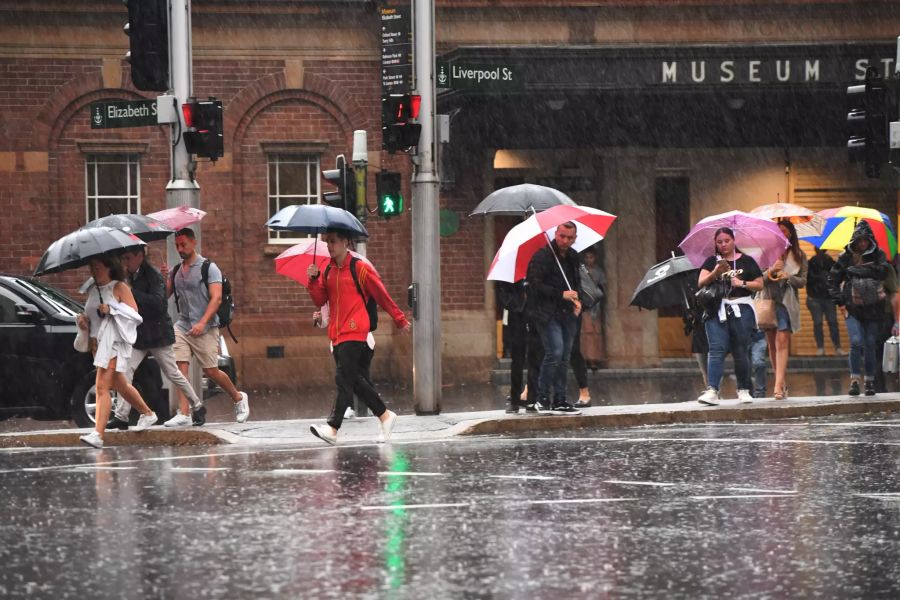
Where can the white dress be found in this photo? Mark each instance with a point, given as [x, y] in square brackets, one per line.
[116, 332]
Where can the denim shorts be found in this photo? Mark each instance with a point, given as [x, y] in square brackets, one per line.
[782, 318]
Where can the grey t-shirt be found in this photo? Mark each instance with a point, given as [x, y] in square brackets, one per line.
[192, 295]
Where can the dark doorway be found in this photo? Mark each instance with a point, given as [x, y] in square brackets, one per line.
[673, 201]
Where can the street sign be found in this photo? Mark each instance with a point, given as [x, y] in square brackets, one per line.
[396, 50]
[478, 77]
[123, 113]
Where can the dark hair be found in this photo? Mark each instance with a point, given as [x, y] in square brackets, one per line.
[186, 232]
[730, 232]
[793, 239]
[112, 262]
[568, 225]
[341, 233]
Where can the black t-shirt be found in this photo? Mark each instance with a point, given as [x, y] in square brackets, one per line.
[749, 271]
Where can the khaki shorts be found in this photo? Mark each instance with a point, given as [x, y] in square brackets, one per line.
[205, 348]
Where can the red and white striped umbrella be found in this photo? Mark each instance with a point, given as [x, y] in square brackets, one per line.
[511, 261]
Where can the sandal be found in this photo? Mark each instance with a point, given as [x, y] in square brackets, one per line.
[781, 394]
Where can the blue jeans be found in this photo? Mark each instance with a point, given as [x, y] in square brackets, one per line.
[759, 362]
[863, 340]
[731, 336]
[823, 307]
[557, 336]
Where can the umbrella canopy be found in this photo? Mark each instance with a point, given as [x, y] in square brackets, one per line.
[760, 238]
[77, 248]
[840, 223]
[144, 227]
[316, 218]
[521, 200]
[511, 261]
[806, 221]
[666, 284]
[179, 217]
[294, 261]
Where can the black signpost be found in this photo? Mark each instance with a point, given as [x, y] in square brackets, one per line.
[123, 113]
[396, 50]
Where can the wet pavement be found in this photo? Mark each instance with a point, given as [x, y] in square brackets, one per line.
[793, 508]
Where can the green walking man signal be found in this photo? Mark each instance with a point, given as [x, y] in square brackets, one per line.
[390, 198]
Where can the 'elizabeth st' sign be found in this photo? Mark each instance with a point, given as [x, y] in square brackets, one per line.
[123, 113]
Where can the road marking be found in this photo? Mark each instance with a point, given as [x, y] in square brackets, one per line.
[198, 469]
[581, 501]
[298, 471]
[740, 497]
[409, 506]
[760, 491]
[720, 440]
[650, 483]
[880, 495]
[103, 468]
[409, 474]
[539, 477]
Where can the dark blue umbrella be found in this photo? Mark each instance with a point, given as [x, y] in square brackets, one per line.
[316, 218]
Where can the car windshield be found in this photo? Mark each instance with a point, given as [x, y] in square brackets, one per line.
[52, 296]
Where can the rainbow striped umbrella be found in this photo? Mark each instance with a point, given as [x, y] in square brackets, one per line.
[840, 223]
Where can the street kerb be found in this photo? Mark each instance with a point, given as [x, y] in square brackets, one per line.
[151, 437]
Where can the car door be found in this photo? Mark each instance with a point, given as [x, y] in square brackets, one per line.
[16, 369]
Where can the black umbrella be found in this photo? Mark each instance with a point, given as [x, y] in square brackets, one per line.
[144, 227]
[521, 200]
[316, 218]
[77, 248]
[666, 284]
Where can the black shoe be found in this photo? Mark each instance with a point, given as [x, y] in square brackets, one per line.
[198, 417]
[854, 388]
[870, 388]
[564, 408]
[117, 423]
[512, 406]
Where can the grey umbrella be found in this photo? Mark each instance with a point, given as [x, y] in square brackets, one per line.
[144, 227]
[520, 200]
[77, 248]
[316, 218]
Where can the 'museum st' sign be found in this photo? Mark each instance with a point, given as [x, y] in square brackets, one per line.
[767, 71]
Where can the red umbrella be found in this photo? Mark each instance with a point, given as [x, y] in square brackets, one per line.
[179, 217]
[511, 262]
[294, 261]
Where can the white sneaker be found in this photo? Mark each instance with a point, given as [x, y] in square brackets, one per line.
[820, 352]
[386, 427]
[710, 397]
[745, 397]
[349, 413]
[92, 439]
[179, 420]
[323, 432]
[145, 421]
[840, 352]
[242, 408]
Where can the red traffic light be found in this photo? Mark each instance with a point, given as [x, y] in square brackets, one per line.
[187, 110]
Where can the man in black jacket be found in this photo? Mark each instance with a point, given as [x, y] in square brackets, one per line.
[154, 336]
[553, 305]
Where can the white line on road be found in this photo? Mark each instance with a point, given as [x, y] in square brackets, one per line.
[198, 469]
[581, 500]
[408, 506]
[882, 495]
[298, 471]
[718, 440]
[649, 483]
[760, 491]
[741, 496]
[103, 468]
[539, 477]
[408, 474]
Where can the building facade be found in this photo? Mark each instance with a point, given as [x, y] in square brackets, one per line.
[659, 112]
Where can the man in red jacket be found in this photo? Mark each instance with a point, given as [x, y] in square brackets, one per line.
[348, 328]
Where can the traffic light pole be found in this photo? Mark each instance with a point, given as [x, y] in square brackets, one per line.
[426, 225]
[182, 188]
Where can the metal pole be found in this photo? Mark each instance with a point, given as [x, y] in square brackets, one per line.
[360, 157]
[426, 224]
[182, 187]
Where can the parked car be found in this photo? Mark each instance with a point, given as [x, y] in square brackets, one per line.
[41, 373]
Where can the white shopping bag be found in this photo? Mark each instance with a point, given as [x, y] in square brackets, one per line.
[891, 361]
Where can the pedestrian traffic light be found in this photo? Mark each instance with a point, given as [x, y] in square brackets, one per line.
[342, 178]
[148, 35]
[398, 134]
[390, 198]
[203, 128]
[868, 123]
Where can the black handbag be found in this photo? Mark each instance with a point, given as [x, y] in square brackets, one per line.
[708, 297]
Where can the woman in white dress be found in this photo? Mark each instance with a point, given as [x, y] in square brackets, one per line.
[111, 318]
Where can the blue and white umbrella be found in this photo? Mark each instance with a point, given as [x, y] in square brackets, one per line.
[316, 218]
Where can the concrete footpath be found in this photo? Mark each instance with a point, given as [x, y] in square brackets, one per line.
[450, 425]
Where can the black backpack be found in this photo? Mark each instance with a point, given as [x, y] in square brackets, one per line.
[226, 308]
[371, 305]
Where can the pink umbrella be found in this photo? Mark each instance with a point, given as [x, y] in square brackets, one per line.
[294, 261]
[760, 238]
[511, 261]
[179, 217]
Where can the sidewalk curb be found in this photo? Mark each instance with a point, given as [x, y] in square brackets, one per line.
[151, 437]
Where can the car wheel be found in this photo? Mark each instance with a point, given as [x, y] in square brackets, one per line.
[84, 401]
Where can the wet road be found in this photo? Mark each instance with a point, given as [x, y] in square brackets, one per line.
[799, 508]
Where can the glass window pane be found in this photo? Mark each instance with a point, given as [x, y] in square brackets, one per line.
[112, 179]
[292, 179]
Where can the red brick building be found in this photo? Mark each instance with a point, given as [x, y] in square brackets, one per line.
[729, 103]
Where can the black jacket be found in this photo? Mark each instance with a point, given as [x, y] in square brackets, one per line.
[149, 289]
[546, 284]
[817, 276]
[870, 264]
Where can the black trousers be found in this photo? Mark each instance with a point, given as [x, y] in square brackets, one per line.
[353, 360]
[517, 338]
[579, 367]
[535, 358]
